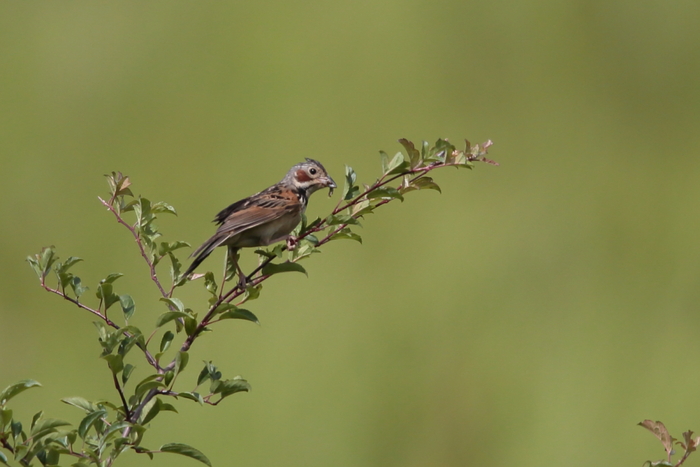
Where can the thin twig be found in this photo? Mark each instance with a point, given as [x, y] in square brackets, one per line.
[137, 238]
[7, 445]
[149, 357]
[121, 395]
[80, 305]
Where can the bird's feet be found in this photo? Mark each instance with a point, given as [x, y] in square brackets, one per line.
[242, 281]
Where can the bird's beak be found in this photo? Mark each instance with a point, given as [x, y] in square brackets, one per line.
[330, 184]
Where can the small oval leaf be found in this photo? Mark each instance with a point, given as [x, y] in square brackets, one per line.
[14, 389]
[287, 266]
[185, 450]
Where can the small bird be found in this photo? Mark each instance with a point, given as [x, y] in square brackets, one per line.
[266, 217]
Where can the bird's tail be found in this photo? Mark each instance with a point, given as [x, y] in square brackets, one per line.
[203, 252]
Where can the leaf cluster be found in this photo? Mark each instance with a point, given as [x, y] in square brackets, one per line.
[689, 443]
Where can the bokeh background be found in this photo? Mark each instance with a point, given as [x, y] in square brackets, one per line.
[530, 315]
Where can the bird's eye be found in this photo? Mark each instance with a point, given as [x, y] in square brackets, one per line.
[312, 171]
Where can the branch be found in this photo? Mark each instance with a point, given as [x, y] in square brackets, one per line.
[139, 242]
[146, 399]
[127, 412]
[80, 305]
[149, 356]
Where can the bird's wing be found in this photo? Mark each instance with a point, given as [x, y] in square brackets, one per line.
[261, 208]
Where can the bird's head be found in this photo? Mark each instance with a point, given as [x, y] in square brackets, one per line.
[310, 176]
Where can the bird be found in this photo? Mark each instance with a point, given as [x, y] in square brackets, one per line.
[266, 217]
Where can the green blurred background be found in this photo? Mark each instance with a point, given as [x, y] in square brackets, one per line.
[530, 315]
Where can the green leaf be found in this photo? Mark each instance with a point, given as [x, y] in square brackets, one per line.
[52, 457]
[271, 268]
[175, 270]
[190, 326]
[232, 386]
[175, 304]
[151, 410]
[16, 428]
[77, 286]
[104, 293]
[210, 283]
[168, 407]
[87, 422]
[165, 247]
[251, 293]
[154, 407]
[166, 340]
[68, 264]
[208, 372]
[36, 418]
[169, 316]
[414, 156]
[385, 192]
[425, 183]
[3, 458]
[114, 431]
[102, 331]
[149, 378]
[142, 209]
[161, 206]
[361, 208]
[34, 263]
[127, 344]
[64, 278]
[126, 372]
[397, 164]
[425, 149]
[143, 388]
[12, 390]
[47, 258]
[80, 403]
[193, 396]
[185, 450]
[306, 249]
[349, 189]
[223, 307]
[128, 306]
[346, 234]
[21, 451]
[46, 426]
[273, 253]
[139, 449]
[181, 360]
[240, 313]
[341, 219]
[385, 161]
[111, 278]
[111, 300]
[5, 419]
[312, 239]
[115, 363]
